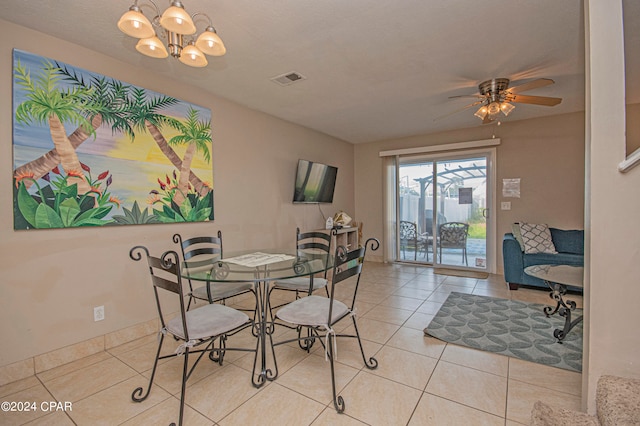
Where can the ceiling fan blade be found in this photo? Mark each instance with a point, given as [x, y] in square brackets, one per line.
[458, 110]
[535, 100]
[478, 96]
[541, 82]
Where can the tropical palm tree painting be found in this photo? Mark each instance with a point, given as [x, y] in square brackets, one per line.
[89, 150]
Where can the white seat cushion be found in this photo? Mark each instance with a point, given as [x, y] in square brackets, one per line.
[207, 321]
[221, 290]
[312, 311]
[300, 283]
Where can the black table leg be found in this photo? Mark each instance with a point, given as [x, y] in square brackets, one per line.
[563, 308]
[568, 324]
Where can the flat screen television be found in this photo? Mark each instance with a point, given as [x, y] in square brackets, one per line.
[315, 182]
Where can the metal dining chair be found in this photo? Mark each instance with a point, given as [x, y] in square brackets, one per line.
[202, 251]
[314, 241]
[196, 328]
[321, 314]
[317, 242]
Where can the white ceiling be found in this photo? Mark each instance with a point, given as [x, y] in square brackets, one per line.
[374, 69]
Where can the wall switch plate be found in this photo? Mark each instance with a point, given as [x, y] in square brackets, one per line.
[98, 313]
[505, 205]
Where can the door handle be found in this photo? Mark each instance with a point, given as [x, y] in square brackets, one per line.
[484, 213]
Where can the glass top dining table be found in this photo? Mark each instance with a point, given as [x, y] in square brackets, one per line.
[259, 267]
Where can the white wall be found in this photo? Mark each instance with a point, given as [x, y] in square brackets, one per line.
[612, 340]
[51, 279]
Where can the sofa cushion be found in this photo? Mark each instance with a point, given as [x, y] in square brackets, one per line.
[536, 238]
[568, 241]
[553, 259]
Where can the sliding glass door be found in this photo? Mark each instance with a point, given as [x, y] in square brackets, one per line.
[442, 210]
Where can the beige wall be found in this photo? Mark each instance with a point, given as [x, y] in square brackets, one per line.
[612, 340]
[52, 279]
[547, 154]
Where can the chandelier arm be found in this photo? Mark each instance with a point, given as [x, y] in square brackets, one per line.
[193, 17]
[209, 27]
[135, 3]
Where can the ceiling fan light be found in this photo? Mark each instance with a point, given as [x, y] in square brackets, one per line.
[193, 57]
[210, 43]
[506, 108]
[494, 108]
[481, 113]
[152, 47]
[177, 20]
[134, 24]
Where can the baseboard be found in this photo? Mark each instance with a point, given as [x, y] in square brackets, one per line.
[37, 364]
[461, 273]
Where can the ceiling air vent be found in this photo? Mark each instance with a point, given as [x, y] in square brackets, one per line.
[288, 78]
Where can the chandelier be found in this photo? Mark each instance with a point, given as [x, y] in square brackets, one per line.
[177, 29]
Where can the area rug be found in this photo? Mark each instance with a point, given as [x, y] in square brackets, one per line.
[460, 273]
[508, 327]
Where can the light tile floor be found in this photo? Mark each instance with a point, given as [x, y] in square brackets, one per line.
[419, 381]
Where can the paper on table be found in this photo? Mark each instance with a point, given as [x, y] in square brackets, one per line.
[258, 259]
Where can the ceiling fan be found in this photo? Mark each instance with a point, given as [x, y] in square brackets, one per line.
[495, 97]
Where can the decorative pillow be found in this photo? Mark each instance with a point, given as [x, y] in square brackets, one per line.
[536, 238]
[515, 230]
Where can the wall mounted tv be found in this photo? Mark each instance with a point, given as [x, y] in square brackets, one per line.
[315, 182]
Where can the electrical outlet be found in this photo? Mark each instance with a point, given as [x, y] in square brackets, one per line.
[505, 205]
[98, 313]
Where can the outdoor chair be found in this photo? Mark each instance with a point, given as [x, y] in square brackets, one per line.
[453, 235]
[196, 328]
[410, 240]
[320, 314]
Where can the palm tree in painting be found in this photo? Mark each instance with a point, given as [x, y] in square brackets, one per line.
[196, 135]
[47, 103]
[108, 100]
[144, 114]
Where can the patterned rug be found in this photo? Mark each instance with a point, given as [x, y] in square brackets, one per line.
[508, 327]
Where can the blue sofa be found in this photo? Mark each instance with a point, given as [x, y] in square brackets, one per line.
[569, 245]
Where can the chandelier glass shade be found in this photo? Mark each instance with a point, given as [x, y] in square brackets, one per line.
[178, 30]
[152, 47]
[493, 109]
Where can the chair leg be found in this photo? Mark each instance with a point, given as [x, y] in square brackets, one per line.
[223, 346]
[308, 341]
[338, 401]
[190, 300]
[372, 363]
[185, 368]
[136, 395]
